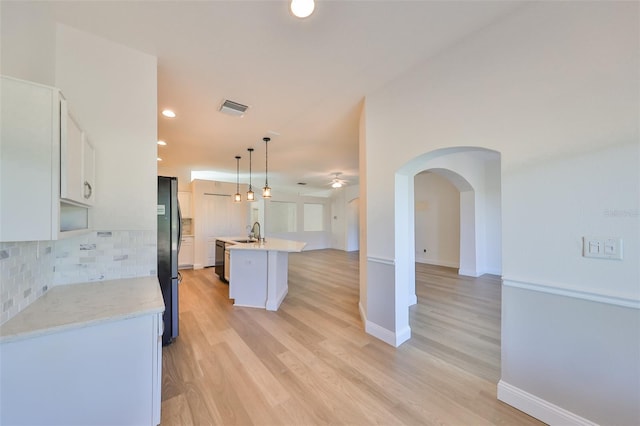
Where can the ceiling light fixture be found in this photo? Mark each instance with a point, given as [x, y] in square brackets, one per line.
[302, 8]
[168, 113]
[336, 183]
[266, 191]
[237, 198]
[250, 194]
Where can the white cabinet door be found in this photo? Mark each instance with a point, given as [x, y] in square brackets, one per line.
[185, 256]
[29, 162]
[211, 251]
[88, 172]
[71, 141]
[77, 160]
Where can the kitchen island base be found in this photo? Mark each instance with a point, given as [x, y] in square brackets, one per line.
[259, 273]
[259, 279]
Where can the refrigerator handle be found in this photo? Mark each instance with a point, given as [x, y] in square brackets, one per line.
[179, 227]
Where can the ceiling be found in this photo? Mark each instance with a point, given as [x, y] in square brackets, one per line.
[304, 80]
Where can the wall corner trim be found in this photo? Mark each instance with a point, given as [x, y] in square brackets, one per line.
[387, 336]
[538, 407]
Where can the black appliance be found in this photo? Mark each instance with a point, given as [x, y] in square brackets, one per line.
[219, 266]
[169, 234]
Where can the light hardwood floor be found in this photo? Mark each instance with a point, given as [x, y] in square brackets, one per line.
[311, 362]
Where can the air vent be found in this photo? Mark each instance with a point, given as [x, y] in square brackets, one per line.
[302, 183]
[233, 108]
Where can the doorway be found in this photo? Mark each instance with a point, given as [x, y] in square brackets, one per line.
[476, 173]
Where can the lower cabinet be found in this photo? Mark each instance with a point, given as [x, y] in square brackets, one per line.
[103, 374]
[185, 256]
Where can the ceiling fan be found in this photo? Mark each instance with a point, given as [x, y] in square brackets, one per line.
[337, 182]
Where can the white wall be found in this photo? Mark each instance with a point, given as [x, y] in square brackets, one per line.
[437, 220]
[561, 106]
[344, 226]
[113, 92]
[315, 240]
[27, 45]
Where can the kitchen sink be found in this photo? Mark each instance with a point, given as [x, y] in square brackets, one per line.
[244, 241]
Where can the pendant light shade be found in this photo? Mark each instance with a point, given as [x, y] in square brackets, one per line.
[250, 193]
[266, 191]
[237, 198]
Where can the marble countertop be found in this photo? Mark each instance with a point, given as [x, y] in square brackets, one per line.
[271, 244]
[72, 306]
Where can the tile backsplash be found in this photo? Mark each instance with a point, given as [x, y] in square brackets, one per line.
[26, 273]
[29, 269]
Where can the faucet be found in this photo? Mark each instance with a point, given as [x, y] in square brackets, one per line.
[253, 233]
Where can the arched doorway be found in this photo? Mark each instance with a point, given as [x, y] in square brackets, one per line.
[476, 173]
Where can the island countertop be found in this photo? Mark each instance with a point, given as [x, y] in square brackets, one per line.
[72, 306]
[271, 244]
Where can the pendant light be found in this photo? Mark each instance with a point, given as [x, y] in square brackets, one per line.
[237, 198]
[250, 194]
[266, 191]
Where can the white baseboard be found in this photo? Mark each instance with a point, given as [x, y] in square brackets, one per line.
[387, 336]
[428, 261]
[413, 299]
[538, 407]
[469, 273]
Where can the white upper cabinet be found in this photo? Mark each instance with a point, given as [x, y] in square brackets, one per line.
[29, 157]
[77, 160]
[31, 207]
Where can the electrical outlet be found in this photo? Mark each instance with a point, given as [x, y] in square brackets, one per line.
[602, 247]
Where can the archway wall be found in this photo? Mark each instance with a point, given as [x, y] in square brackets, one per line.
[476, 173]
[561, 107]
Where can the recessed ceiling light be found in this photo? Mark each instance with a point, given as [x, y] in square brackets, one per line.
[302, 8]
[168, 113]
[163, 143]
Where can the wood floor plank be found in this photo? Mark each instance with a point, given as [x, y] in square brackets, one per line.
[311, 363]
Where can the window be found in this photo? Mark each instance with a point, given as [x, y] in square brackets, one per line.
[282, 217]
[313, 217]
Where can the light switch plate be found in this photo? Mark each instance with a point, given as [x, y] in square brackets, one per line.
[602, 247]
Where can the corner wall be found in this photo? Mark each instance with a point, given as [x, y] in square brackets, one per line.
[561, 106]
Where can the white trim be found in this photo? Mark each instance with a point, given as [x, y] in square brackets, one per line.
[383, 260]
[387, 336]
[538, 407]
[493, 271]
[577, 294]
[270, 306]
[469, 273]
[436, 262]
[413, 299]
[197, 266]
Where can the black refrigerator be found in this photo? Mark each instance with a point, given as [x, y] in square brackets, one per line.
[169, 234]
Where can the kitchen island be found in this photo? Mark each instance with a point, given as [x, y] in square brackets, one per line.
[259, 271]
